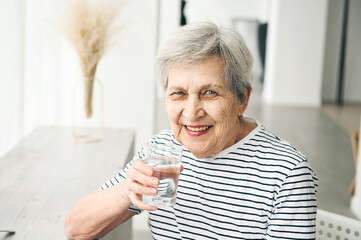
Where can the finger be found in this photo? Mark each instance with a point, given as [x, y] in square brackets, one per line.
[135, 176]
[141, 189]
[137, 202]
[142, 167]
[181, 168]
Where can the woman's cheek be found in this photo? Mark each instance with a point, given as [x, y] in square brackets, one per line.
[174, 112]
[212, 109]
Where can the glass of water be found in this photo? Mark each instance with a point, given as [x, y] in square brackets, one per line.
[166, 161]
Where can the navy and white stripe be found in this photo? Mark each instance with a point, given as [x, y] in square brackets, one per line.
[259, 188]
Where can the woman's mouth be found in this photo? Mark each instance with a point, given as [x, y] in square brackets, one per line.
[197, 130]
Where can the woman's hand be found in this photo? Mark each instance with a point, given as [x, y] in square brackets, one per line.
[140, 182]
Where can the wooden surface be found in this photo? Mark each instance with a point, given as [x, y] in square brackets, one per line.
[47, 172]
[355, 138]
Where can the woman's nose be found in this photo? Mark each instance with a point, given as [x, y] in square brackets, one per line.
[193, 109]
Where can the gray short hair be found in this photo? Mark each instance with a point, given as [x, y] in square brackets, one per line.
[197, 42]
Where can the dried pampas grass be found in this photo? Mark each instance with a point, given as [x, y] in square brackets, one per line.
[90, 25]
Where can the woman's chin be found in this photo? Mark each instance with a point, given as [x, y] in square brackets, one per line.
[198, 150]
[198, 145]
[201, 155]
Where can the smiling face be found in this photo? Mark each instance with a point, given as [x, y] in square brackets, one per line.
[203, 112]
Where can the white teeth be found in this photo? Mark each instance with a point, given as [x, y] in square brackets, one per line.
[197, 129]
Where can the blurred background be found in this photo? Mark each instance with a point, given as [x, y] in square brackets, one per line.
[307, 74]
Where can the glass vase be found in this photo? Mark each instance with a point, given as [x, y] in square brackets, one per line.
[88, 110]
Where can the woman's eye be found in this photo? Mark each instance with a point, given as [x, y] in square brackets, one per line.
[179, 93]
[210, 92]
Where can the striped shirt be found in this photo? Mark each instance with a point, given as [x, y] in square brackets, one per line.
[259, 188]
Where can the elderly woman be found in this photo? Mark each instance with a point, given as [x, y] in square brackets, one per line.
[239, 181]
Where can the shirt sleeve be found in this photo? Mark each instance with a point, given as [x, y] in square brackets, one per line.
[295, 208]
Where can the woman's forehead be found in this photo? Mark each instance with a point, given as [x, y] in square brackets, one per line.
[185, 63]
[206, 73]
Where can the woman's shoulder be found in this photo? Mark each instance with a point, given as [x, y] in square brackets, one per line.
[271, 147]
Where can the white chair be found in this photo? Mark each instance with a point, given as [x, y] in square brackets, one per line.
[333, 226]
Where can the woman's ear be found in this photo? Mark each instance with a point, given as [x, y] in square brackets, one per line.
[243, 106]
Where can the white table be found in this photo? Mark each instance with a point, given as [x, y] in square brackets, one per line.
[47, 172]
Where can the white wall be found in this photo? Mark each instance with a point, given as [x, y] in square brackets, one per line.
[35, 46]
[223, 12]
[353, 58]
[12, 40]
[295, 50]
[169, 18]
[332, 51]
[352, 69]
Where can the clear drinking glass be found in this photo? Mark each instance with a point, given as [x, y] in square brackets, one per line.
[166, 161]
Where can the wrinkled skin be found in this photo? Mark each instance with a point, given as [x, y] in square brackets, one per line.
[203, 112]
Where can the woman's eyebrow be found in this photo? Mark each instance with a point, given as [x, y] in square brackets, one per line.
[174, 88]
[203, 87]
[211, 86]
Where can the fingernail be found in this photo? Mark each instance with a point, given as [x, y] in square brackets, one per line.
[153, 190]
[149, 171]
[155, 182]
